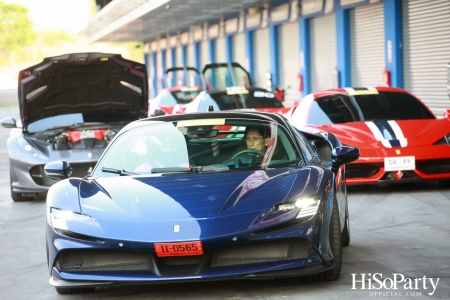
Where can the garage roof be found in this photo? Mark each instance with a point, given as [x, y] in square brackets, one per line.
[145, 20]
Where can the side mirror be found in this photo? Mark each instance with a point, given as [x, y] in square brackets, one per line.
[9, 122]
[58, 170]
[344, 155]
[447, 113]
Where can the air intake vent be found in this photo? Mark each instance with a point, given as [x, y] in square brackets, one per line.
[258, 252]
[103, 260]
[360, 170]
[437, 166]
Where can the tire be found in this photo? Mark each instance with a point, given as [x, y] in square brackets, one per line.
[335, 244]
[65, 291]
[345, 236]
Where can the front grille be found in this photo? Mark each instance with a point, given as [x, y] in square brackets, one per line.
[103, 260]
[437, 166]
[78, 170]
[182, 260]
[266, 251]
[406, 175]
[360, 170]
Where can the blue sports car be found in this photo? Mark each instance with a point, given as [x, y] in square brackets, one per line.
[201, 196]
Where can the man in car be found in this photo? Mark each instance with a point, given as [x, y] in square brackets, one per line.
[257, 138]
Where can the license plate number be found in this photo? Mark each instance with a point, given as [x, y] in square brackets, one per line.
[179, 249]
[399, 163]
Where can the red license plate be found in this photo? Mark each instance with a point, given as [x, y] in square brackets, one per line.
[179, 249]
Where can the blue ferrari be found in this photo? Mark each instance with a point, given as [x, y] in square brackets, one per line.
[197, 197]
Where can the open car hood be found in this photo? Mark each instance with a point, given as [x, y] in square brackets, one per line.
[83, 83]
[222, 75]
[189, 77]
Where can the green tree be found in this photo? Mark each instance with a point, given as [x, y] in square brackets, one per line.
[15, 28]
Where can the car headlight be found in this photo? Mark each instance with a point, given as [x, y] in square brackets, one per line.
[58, 218]
[27, 148]
[307, 205]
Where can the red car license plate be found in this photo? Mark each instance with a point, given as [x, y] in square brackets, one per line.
[179, 249]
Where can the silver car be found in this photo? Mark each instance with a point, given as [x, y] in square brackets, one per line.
[71, 106]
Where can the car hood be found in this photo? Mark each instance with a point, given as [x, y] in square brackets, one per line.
[202, 205]
[387, 134]
[83, 83]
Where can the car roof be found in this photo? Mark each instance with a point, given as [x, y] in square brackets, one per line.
[255, 115]
[218, 114]
[345, 90]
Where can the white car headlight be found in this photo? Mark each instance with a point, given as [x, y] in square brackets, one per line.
[307, 205]
[58, 218]
[27, 148]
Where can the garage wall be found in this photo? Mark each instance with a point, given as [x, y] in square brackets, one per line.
[261, 56]
[426, 51]
[367, 45]
[220, 50]
[159, 70]
[289, 60]
[238, 42]
[204, 54]
[190, 59]
[323, 51]
[179, 59]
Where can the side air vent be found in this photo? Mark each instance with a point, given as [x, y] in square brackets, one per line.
[103, 260]
[266, 251]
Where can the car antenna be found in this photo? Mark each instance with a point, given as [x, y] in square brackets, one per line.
[210, 108]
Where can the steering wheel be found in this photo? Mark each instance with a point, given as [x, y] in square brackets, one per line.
[248, 152]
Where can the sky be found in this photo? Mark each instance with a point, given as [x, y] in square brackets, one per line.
[70, 15]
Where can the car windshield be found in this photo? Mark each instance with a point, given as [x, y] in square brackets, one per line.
[67, 120]
[185, 96]
[373, 107]
[221, 75]
[203, 145]
[234, 99]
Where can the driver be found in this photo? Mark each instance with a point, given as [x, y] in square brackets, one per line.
[256, 138]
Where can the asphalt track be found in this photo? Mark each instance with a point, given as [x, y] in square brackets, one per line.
[398, 232]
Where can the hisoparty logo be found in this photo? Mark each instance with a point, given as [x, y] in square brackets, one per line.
[399, 282]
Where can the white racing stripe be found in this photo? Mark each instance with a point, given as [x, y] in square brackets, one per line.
[386, 142]
[398, 133]
[378, 135]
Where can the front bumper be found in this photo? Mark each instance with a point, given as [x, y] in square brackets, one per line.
[374, 172]
[28, 176]
[311, 267]
[292, 250]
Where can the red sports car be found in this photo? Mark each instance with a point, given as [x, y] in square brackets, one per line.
[190, 84]
[399, 137]
[169, 100]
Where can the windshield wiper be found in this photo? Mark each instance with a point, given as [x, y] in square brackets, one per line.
[117, 171]
[171, 170]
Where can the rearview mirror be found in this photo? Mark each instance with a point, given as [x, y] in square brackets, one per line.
[209, 133]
